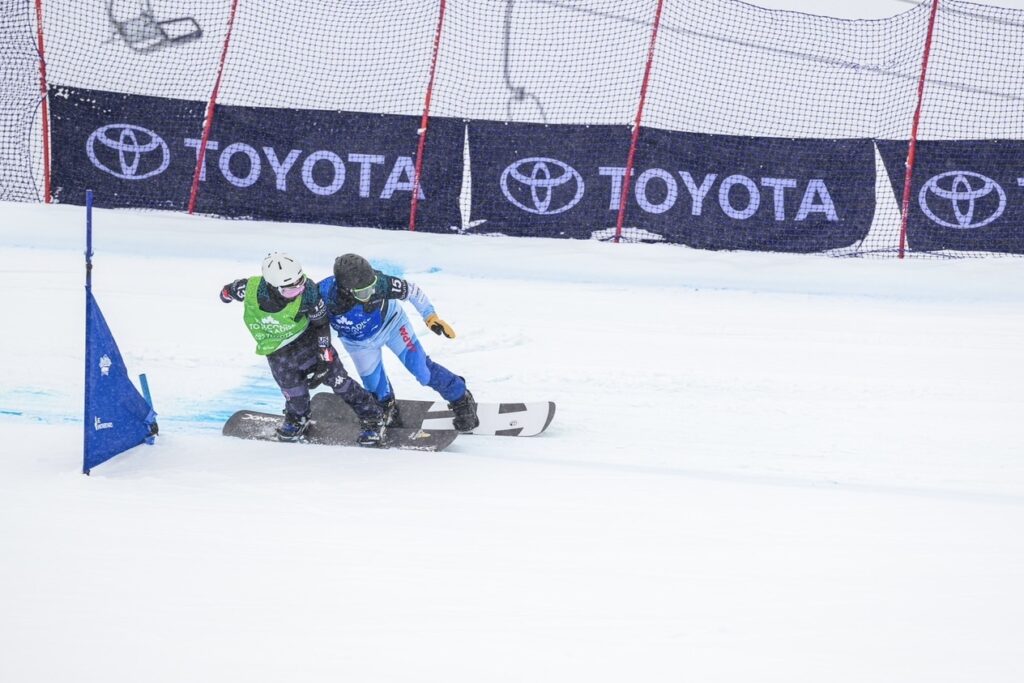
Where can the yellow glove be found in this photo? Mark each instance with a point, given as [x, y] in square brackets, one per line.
[439, 326]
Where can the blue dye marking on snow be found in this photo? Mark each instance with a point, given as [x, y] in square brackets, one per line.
[22, 392]
[259, 393]
[434, 269]
[34, 404]
[388, 267]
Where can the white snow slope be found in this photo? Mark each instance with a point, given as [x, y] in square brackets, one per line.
[763, 468]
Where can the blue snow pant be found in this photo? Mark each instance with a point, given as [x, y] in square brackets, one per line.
[403, 343]
[292, 363]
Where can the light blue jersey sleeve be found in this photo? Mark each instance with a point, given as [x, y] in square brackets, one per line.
[418, 298]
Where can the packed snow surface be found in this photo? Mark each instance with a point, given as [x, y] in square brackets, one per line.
[763, 468]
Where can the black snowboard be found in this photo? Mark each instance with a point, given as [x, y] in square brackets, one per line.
[325, 429]
[497, 419]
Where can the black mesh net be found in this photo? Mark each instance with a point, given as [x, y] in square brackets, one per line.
[760, 129]
[967, 194]
[21, 163]
[819, 89]
[129, 83]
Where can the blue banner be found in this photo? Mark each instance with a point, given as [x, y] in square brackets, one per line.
[964, 195]
[126, 147]
[706, 191]
[271, 164]
[117, 417]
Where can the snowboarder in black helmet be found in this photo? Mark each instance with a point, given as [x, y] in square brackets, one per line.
[285, 314]
[360, 305]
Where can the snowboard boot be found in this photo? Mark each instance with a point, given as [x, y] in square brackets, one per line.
[466, 419]
[372, 435]
[392, 417]
[293, 427]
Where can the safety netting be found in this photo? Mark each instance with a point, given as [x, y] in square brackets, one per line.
[718, 125]
[21, 163]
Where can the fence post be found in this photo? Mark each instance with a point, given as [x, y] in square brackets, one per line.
[208, 121]
[421, 146]
[623, 198]
[912, 147]
[45, 106]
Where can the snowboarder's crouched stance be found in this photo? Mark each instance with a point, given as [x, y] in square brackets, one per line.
[359, 304]
[287, 318]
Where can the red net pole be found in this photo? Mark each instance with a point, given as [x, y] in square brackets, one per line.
[45, 104]
[426, 118]
[912, 148]
[201, 156]
[636, 123]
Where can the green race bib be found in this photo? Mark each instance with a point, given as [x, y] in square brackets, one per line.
[271, 330]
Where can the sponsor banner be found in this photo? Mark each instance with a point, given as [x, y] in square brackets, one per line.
[543, 180]
[127, 148]
[964, 195]
[274, 164]
[706, 191]
[331, 167]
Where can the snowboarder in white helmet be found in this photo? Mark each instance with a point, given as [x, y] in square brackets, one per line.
[287, 318]
[359, 304]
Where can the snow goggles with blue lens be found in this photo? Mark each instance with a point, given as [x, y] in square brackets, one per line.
[364, 293]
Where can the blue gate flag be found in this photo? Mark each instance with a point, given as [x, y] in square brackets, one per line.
[117, 417]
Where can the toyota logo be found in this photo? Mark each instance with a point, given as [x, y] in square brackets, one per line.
[128, 152]
[539, 180]
[968, 199]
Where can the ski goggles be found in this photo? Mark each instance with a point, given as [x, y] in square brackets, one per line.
[292, 291]
[364, 293]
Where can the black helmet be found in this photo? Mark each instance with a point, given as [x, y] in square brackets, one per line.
[353, 272]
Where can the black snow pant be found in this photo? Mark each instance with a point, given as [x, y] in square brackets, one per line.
[291, 364]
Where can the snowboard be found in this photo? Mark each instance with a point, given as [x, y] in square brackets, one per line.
[324, 429]
[496, 419]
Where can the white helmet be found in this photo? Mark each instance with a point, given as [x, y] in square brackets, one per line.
[281, 270]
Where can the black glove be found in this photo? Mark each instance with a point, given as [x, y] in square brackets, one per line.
[322, 369]
[233, 291]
